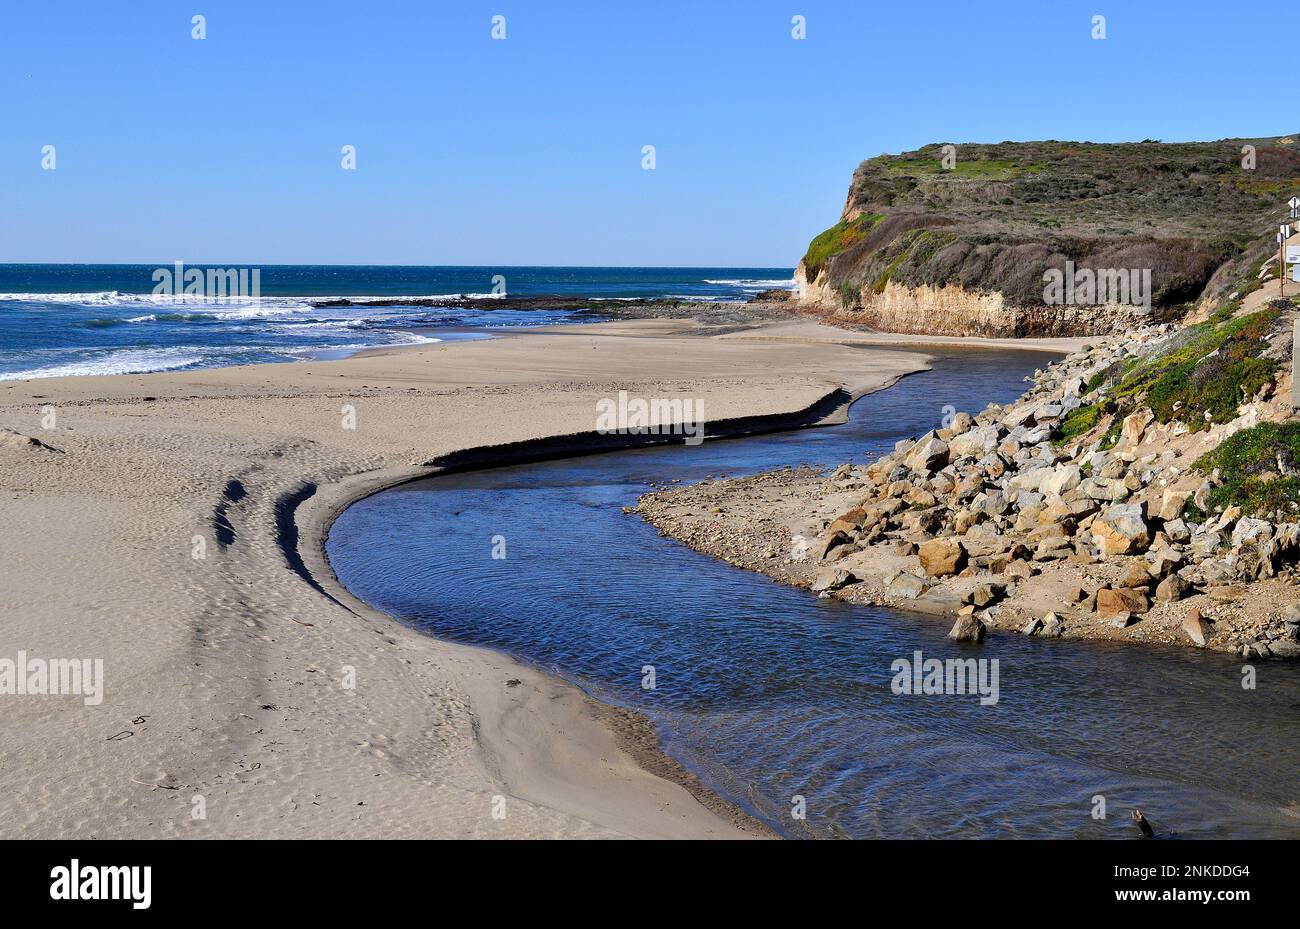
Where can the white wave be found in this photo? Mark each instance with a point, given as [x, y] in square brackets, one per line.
[410, 338]
[126, 361]
[756, 284]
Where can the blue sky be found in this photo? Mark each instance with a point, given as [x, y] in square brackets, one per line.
[528, 150]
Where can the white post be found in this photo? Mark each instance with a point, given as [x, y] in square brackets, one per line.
[1295, 371]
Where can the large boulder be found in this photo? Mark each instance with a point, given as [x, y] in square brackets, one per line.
[906, 586]
[967, 629]
[1121, 530]
[1249, 529]
[929, 454]
[1063, 478]
[1172, 588]
[1172, 504]
[942, 557]
[976, 443]
[1112, 602]
[1031, 480]
[830, 578]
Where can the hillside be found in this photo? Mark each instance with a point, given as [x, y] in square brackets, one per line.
[964, 250]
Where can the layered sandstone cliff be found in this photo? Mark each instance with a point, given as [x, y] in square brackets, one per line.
[964, 239]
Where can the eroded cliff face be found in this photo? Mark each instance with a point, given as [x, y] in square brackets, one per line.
[965, 245]
[954, 310]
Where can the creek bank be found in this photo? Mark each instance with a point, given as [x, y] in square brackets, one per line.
[1047, 517]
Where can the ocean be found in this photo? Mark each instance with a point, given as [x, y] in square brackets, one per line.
[58, 320]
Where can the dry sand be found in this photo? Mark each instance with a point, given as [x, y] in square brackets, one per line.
[225, 673]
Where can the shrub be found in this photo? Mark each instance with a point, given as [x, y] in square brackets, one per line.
[1079, 421]
[1252, 465]
[836, 239]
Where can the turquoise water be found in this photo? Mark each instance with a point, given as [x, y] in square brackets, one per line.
[770, 694]
[105, 319]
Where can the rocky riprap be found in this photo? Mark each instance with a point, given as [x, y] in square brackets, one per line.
[999, 520]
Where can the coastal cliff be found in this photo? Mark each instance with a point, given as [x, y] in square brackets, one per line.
[961, 239]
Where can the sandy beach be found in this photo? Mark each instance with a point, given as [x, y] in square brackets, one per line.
[172, 524]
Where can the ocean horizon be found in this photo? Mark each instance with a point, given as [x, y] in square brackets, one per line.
[90, 319]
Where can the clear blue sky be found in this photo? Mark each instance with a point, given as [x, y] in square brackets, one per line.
[528, 150]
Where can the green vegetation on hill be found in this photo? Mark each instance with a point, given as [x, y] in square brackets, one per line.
[1205, 374]
[836, 239]
[1007, 212]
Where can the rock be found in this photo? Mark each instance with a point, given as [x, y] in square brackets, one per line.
[919, 498]
[961, 423]
[1064, 478]
[1121, 530]
[1053, 627]
[1135, 425]
[942, 557]
[967, 629]
[1172, 504]
[1249, 529]
[983, 595]
[1111, 601]
[906, 586]
[1164, 562]
[1172, 588]
[1195, 626]
[929, 454]
[1136, 576]
[1019, 568]
[1032, 627]
[848, 522]
[1177, 531]
[1054, 549]
[1031, 480]
[1284, 648]
[832, 579]
[1291, 621]
[1122, 621]
[842, 551]
[1253, 560]
[964, 520]
[835, 539]
[975, 443]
